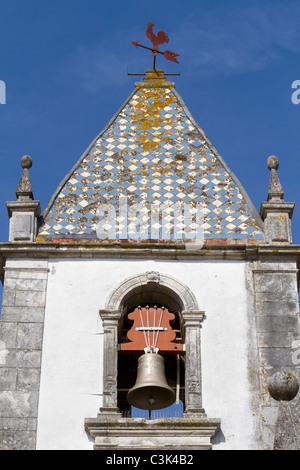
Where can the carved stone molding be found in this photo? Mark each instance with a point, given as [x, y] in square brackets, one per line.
[160, 434]
[153, 276]
[116, 297]
[193, 372]
[110, 361]
[194, 430]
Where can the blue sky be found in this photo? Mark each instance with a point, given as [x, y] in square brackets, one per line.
[65, 66]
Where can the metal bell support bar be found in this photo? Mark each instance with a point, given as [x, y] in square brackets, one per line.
[151, 347]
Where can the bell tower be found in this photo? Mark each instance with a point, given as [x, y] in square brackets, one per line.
[150, 247]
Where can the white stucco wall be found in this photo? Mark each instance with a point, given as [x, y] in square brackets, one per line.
[71, 380]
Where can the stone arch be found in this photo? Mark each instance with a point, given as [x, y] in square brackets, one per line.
[133, 289]
[176, 296]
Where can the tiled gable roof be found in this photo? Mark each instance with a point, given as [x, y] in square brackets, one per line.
[154, 153]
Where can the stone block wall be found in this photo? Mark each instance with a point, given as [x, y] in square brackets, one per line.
[21, 337]
[274, 339]
[278, 335]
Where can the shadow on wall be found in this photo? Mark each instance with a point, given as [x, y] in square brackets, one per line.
[220, 438]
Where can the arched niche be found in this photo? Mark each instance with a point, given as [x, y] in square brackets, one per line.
[154, 286]
[158, 288]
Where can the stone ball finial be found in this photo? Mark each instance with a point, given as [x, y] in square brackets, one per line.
[283, 386]
[26, 162]
[273, 163]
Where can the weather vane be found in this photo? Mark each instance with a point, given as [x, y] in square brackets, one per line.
[157, 39]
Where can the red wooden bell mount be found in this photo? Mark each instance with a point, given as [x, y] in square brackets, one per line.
[151, 332]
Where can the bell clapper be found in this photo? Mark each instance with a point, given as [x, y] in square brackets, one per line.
[151, 400]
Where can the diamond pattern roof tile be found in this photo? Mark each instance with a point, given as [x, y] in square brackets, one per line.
[154, 153]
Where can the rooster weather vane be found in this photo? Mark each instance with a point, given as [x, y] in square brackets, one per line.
[157, 39]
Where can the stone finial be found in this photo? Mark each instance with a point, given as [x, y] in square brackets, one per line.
[273, 163]
[23, 212]
[26, 162]
[24, 190]
[283, 386]
[276, 213]
[275, 192]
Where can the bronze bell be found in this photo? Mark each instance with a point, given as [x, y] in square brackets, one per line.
[151, 390]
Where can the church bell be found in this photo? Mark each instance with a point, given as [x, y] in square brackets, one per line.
[151, 390]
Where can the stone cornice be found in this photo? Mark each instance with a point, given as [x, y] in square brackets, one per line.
[277, 207]
[90, 250]
[23, 206]
[161, 434]
[234, 252]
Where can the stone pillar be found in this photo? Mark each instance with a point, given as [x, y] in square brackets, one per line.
[276, 301]
[193, 377]
[21, 337]
[276, 213]
[110, 362]
[278, 331]
[23, 212]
